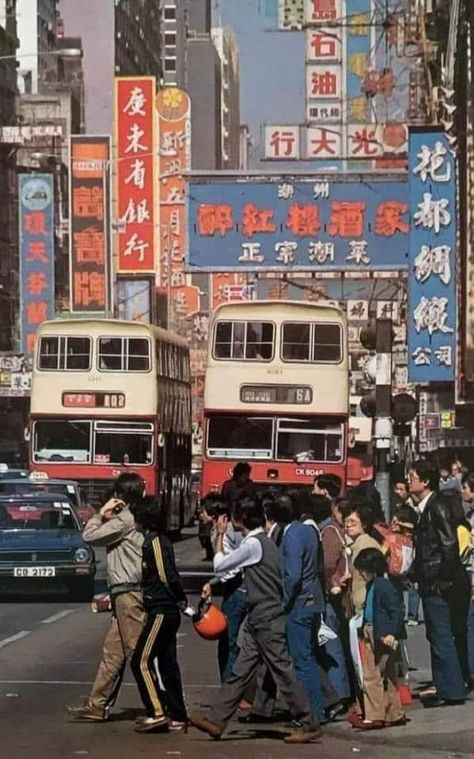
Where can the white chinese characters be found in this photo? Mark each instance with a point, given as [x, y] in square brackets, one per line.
[431, 314]
[434, 261]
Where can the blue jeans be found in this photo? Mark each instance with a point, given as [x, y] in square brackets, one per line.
[413, 603]
[301, 629]
[234, 607]
[441, 622]
[470, 639]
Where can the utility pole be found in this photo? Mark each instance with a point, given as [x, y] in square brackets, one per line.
[383, 409]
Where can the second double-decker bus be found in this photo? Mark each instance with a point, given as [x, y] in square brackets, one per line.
[277, 394]
[112, 396]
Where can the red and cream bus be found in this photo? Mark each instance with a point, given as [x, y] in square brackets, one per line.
[277, 394]
[112, 396]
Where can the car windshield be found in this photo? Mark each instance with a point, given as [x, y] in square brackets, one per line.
[28, 487]
[25, 514]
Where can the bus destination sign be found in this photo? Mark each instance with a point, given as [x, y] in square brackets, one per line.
[94, 400]
[284, 394]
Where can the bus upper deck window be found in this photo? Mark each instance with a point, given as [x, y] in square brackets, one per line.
[327, 342]
[244, 340]
[65, 353]
[127, 354]
[296, 341]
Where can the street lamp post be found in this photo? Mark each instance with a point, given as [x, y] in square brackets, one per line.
[67, 52]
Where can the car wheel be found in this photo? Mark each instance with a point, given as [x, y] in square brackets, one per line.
[82, 590]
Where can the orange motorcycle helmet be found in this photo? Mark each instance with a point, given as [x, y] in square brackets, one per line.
[209, 622]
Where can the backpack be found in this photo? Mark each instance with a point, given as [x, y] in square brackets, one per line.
[398, 549]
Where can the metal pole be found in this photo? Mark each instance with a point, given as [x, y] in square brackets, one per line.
[383, 404]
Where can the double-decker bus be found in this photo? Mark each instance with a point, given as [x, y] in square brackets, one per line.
[277, 394]
[112, 396]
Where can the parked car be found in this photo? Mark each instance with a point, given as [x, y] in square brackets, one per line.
[41, 543]
[33, 484]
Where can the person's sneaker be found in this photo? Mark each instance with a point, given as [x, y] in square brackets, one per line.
[412, 623]
[146, 724]
[214, 729]
[178, 727]
[88, 712]
[304, 736]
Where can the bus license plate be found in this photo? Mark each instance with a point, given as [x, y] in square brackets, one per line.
[34, 572]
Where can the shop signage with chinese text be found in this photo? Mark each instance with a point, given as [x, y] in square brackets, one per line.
[432, 304]
[135, 207]
[89, 221]
[36, 220]
[315, 224]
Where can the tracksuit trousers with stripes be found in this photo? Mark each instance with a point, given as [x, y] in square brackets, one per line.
[160, 688]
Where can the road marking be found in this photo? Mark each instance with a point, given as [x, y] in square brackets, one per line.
[13, 638]
[79, 682]
[55, 617]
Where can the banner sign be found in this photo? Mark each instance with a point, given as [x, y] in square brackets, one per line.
[309, 224]
[135, 119]
[432, 304]
[174, 120]
[36, 220]
[89, 223]
[15, 376]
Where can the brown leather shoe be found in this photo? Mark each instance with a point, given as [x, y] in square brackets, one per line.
[214, 729]
[305, 736]
[88, 712]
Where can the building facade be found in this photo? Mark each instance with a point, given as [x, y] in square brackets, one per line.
[36, 28]
[228, 52]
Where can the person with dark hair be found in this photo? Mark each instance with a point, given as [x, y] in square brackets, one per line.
[366, 494]
[402, 491]
[240, 486]
[273, 523]
[443, 585]
[382, 631]
[358, 523]
[207, 515]
[113, 528]
[263, 636]
[329, 485]
[164, 598]
[304, 601]
[234, 602]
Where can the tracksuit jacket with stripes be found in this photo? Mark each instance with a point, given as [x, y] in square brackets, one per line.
[161, 583]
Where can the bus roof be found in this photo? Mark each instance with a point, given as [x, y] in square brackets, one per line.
[80, 326]
[325, 308]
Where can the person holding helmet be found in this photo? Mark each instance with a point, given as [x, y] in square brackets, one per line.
[164, 598]
[114, 528]
[263, 636]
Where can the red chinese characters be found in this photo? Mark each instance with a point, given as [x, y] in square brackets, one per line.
[347, 219]
[89, 222]
[135, 101]
[389, 218]
[323, 10]
[303, 220]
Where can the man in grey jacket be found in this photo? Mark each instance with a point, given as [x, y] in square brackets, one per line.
[114, 529]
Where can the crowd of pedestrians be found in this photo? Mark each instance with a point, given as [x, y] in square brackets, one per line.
[313, 587]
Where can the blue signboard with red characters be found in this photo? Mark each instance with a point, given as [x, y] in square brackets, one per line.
[36, 218]
[283, 223]
[432, 304]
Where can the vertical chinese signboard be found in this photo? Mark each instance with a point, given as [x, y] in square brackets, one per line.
[432, 284]
[135, 119]
[36, 218]
[174, 114]
[324, 79]
[90, 223]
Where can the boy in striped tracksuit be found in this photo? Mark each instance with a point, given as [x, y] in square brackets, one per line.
[164, 598]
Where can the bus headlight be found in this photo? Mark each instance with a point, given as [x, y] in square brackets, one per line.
[82, 555]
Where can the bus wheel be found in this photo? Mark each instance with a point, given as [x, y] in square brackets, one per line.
[82, 590]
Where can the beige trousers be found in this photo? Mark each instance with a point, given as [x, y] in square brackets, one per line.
[381, 697]
[126, 625]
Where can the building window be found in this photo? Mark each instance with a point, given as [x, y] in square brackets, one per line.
[170, 39]
[169, 13]
[170, 64]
